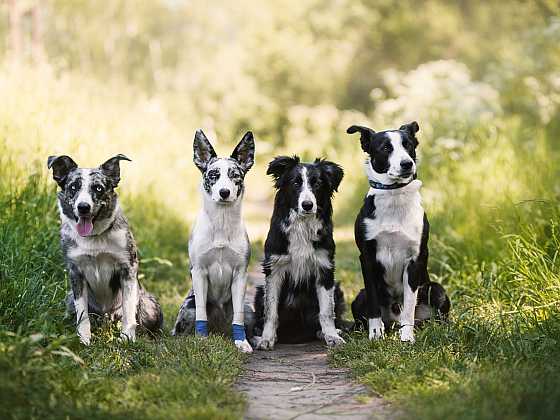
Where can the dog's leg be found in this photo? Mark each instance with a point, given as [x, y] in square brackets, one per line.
[130, 296]
[200, 288]
[326, 316]
[272, 295]
[238, 287]
[80, 293]
[410, 297]
[372, 271]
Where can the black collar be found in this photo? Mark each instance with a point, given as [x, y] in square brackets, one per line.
[380, 186]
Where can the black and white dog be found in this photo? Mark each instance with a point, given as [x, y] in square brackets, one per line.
[392, 232]
[99, 250]
[300, 300]
[219, 247]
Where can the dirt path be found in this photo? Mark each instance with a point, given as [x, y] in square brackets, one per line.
[295, 381]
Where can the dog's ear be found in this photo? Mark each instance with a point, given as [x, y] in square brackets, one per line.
[112, 169]
[61, 167]
[366, 135]
[411, 129]
[244, 152]
[333, 173]
[203, 151]
[279, 166]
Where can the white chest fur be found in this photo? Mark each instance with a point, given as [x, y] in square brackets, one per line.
[303, 260]
[397, 228]
[98, 257]
[219, 247]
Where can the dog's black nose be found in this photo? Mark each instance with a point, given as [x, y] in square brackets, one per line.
[307, 205]
[224, 193]
[406, 165]
[84, 208]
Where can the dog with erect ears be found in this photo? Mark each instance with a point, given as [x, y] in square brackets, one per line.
[219, 248]
[391, 232]
[99, 250]
[300, 301]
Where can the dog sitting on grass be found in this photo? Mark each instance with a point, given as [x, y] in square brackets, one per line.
[392, 233]
[100, 251]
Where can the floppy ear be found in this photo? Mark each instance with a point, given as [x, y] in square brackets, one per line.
[203, 151]
[112, 168]
[279, 166]
[61, 167]
[244, 152]
[411, 128]
[333, 173]
[366, 135]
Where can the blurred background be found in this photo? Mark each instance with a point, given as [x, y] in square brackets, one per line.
[481, 77]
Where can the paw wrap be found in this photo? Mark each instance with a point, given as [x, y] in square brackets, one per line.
[201, 328]
[238, 332]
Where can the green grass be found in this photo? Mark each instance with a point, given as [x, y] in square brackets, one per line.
[499, 356]
[46, 373]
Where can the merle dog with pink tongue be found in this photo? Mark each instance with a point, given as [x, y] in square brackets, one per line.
[99, 250]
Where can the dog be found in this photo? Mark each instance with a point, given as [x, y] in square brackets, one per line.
[219, 248]
[392, 232]
[100, 251]
[300, 300]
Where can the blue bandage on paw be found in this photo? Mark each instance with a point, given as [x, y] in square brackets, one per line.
[238, 332]
[201, 328]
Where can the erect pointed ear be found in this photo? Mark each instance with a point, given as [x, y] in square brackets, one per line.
[279, 166]
[111, 168]
[366, 135]
[333, 173]
[411, 128]
[244, 152]
[203, 151]
[61, 167]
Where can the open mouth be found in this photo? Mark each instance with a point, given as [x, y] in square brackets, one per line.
[85, 225]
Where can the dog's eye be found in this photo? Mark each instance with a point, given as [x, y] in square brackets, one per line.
[387, 148]
[297, 182]
[73, 187]
[98, 188]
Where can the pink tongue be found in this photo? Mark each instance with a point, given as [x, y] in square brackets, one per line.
[84, 226]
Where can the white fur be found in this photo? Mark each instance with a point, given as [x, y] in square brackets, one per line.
[84, 196]
[301, 262]
[218, 250]
[397, 228]
[306, 193]
[326, 316]
[98, 257]
[399, 154]
[224, 182]
[376, 328]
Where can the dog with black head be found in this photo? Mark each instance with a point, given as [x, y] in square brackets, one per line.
[300, 299]
[219, 248]
[392, 232]
[99, 250]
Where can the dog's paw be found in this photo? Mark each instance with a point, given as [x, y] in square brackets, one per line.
[333, 340]
[376, 329]
[84, 332]
[244, 346]
[407, 333]
[266, 342]
[128, 334]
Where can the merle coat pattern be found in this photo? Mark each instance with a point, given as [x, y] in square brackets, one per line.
[219, 248]
[300, 299]
[99, 250]
[392, 232]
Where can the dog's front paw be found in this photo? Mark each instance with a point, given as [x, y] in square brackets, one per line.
[84, 332]
[128, 334]
[244, 346]
[266, 342]
[376, 329]
[407, 333]
[333, 340]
